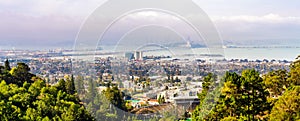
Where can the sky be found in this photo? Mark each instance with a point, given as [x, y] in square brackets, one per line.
[40, 23]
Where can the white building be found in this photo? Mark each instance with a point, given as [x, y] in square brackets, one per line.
[138, 55]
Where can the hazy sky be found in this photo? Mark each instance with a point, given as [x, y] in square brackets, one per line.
[48, 22]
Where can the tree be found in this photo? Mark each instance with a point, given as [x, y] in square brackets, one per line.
[276, 82]
[7, 65]
[250, 97]
[91, 90]
[36, 101]
[1, 70]
[229, 119]
[70, 86]
[287, 108]
[5, 75]
[115, 97]
[208, 83]
[229, 103]
[294, 78]
[243, 96]
[61, 85]
[79, 84]
[169, 116]
[21, 74]
[207, 97]
[254, 95]
[159, 99]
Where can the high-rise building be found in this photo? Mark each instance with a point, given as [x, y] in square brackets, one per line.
[129, 55]
[138, 55]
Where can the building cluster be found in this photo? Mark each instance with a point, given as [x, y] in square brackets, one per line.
[146, 80]
[176, 81]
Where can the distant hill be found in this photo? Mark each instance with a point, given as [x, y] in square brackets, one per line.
[263, 43]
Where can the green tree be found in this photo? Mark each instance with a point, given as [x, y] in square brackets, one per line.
[61, 85]
[254, 95]
[1, 70]
[79, 84]
[91, 90]
[5, 75]
[294, 78]
[208, 83]
[36, 101]
[243, 96]
[207, 97]
[287, 108]
[7, 65]
[276, 82]
[229, 119]
[115, 97]
[21, 74]
[161, 99]
[168, 116]
[229, 103]
[70, 86]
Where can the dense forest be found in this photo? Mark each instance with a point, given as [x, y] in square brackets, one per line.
[274, 96]
[23, 96]
[246, 96]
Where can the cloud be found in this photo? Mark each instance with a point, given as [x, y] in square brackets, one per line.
[268, 18]
[48, 7]
[20, 28]
[51, 21]
[269, 26]
[46, 22]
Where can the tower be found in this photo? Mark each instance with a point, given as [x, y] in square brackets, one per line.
[138, 55]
